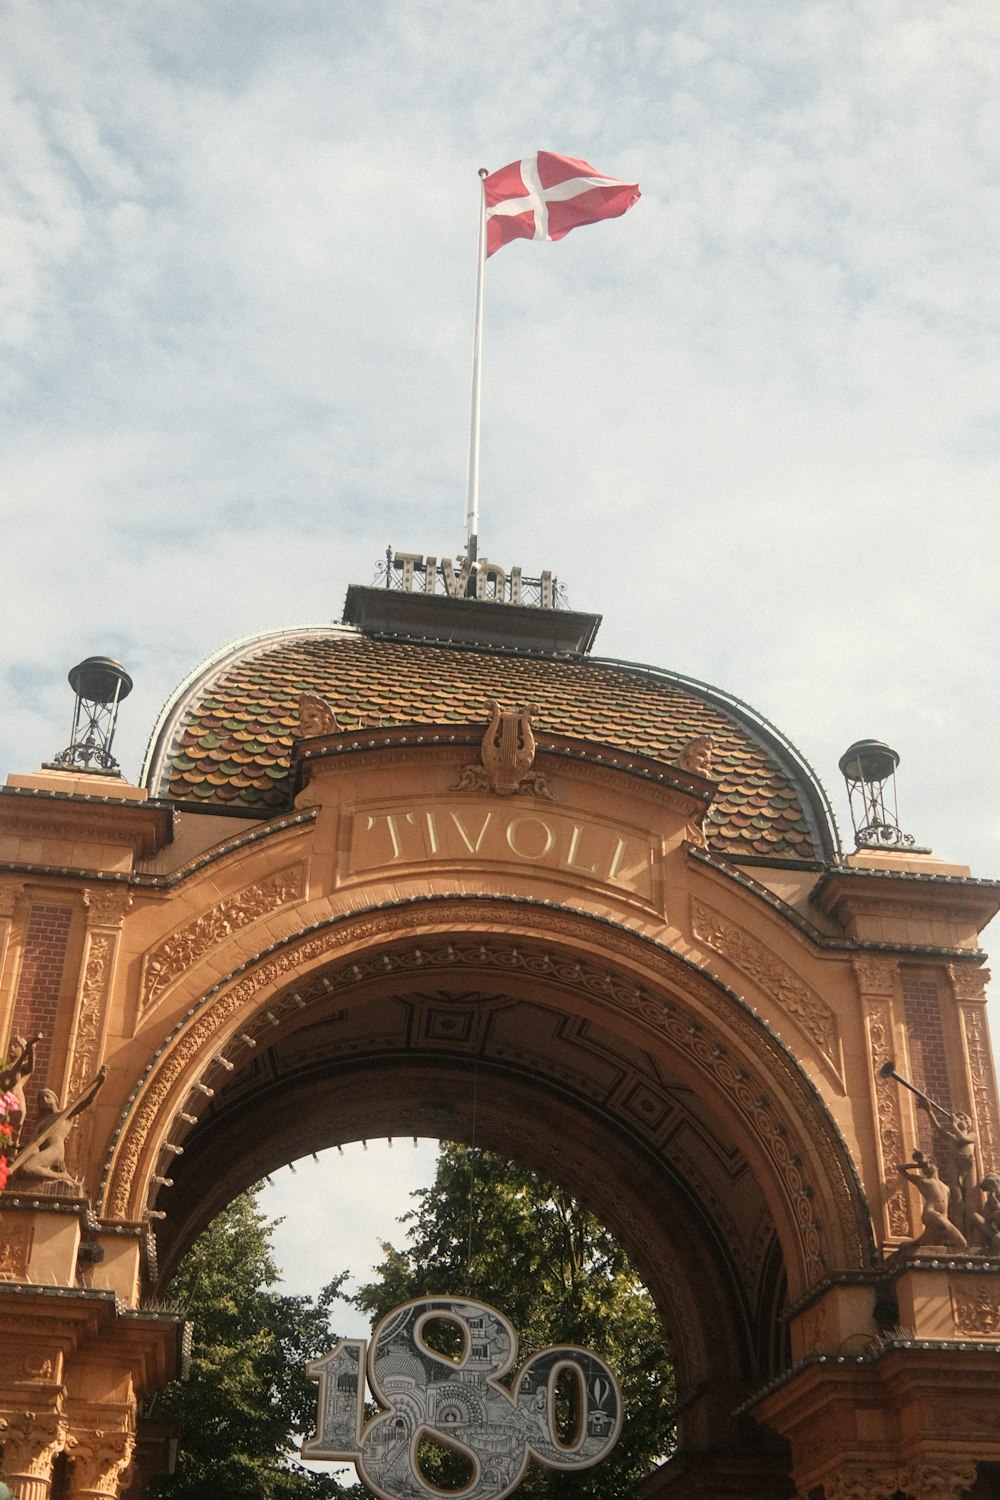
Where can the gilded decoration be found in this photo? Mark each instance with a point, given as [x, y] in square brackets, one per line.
[16, 1236]
[178, 1069]
[976, 1311]
[186, 945]
[755, 959]
[508, 754]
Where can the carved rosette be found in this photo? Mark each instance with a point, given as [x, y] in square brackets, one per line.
[754, 959]
[31, 1441]
[983, 1081]
[186, 945]
[100, 1459]
[876, 979]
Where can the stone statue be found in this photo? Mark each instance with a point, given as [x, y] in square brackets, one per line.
[20, 1065]
[938, 1228]
[988, 1220]
[44, 1157]
[508, 754]
[959, 1132]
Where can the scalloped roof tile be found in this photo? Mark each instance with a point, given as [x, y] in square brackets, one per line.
[228, 739]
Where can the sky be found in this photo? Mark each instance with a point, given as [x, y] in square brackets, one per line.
[754, 423]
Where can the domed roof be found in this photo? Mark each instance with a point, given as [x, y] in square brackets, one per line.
[225, 739]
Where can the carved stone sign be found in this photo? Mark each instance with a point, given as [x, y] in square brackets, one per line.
[465, 1404]
[613, 856]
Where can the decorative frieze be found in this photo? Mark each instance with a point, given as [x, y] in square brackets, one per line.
[984, 1096]
[16, 1235]
[878, 1022]
[757, 961]
[186, 945]
[975, 1309]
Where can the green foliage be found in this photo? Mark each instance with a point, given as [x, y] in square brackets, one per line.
[248, 1392]
[559, 1276]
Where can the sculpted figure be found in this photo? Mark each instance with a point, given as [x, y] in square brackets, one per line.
[20, 1065]
[988, 1221]
[44, 1156]
[315, 717]
[697, 756]
[938, 1228]
[959, 1132]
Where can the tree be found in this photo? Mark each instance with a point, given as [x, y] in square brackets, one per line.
[248, 1394]
[488, 1230]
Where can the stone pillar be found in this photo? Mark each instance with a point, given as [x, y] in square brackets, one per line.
[31, 1441]
[876, 979]
[100, 1461]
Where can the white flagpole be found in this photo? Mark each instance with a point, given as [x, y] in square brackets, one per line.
[472, 511]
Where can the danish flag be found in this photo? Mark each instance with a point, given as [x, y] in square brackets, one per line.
[544, 196]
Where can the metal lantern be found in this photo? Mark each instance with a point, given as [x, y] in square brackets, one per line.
[869, 769]
[100, 684]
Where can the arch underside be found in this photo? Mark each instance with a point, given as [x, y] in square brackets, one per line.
[623, 1074]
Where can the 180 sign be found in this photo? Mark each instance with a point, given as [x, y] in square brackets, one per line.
[458, 1403]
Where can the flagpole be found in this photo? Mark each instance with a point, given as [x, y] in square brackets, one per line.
[472, 511]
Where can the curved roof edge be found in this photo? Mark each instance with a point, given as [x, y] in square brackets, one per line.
[792, 760]
[169, 725]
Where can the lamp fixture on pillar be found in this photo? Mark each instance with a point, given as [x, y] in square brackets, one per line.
[100, 685]
[869, 768]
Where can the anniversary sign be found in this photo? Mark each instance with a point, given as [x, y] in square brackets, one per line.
[497, 1421]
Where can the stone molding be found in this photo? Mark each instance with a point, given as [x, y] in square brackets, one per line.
[876, 979]
[175, 954]
[786, 1138]
[754, 959]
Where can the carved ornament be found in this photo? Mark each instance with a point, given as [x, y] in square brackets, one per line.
[31, 1441]
[975, 1311]
[186, 945]
[696, 756]
[16, 1236]
[945, 1478]
[968, 983]
[107, 905]
[787, 1139]
[983, 1084]
[875, 976]
[878, 1018]
[100, 1458]
[10, 894]
[508, 754]
[865, 1482]
[755, 959]
[316, 717]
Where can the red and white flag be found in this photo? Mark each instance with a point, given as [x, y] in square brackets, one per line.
[544, 196]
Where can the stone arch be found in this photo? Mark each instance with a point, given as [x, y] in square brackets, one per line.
[611, 988]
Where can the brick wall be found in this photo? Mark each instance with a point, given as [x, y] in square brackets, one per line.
[925, 1041]
[37, 1003]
